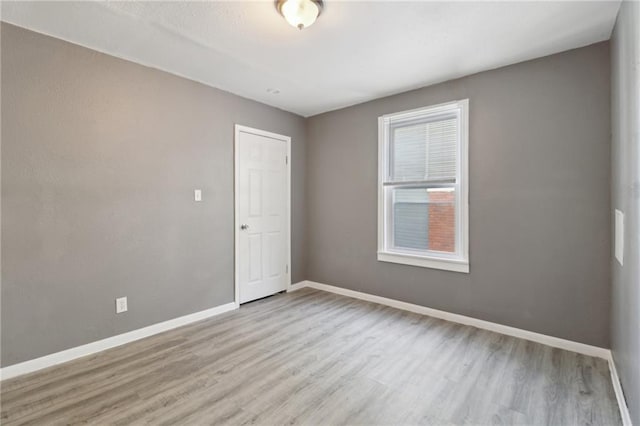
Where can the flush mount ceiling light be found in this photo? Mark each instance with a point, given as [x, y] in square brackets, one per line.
[300, 13]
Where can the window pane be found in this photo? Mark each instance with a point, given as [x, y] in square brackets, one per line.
[443, 139]
[411, 218]
[424, 150]
[424, 219]
[409, 152]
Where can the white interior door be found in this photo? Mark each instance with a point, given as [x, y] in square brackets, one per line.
[262, 213]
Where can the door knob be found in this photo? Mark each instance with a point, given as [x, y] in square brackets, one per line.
[243, 227]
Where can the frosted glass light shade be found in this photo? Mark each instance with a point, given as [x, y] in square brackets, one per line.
[300, 13]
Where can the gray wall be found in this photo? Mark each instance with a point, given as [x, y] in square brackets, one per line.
[100, 158]
[539, 198]
[625, 109]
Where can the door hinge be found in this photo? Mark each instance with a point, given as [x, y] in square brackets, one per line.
[286, 159]
[287, 268]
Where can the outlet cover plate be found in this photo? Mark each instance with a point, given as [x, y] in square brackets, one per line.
[121, 305]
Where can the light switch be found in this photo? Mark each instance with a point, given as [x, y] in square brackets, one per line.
[197, 194]
[619, 236]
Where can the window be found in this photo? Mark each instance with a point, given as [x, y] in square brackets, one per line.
[423, 187]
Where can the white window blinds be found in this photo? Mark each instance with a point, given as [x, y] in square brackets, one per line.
[424, 150]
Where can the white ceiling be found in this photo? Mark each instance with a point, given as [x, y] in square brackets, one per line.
[356, 51]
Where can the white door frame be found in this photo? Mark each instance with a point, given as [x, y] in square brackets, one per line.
[236, 222]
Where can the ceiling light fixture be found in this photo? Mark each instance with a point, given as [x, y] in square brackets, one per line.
[300, 13]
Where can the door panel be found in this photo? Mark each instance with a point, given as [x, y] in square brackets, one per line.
[273, 247]
[255, 193]
[262, 194]
[255, 257]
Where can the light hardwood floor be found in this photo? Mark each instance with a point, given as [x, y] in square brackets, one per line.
[311, 357]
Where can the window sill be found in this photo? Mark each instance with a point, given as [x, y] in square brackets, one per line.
[454, 265]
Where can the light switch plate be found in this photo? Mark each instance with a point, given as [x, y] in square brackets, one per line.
[619, 236]
[197, 194]
[121, 305]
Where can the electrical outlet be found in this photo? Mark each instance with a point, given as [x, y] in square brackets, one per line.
[121, 305]
[197, 194]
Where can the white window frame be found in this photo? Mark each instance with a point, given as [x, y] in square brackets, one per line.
[459, 261]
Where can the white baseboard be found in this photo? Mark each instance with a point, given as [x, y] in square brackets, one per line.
[298, 286]
[131, 336]
[617, 387]
[461, 319]
[555, 342]
[110, 342]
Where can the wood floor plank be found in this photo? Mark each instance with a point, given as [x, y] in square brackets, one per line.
[311, 357]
